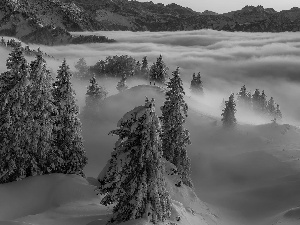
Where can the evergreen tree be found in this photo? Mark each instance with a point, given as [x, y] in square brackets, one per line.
[137, 69]
[256, 101]
[278, 114]
[134, 177]
[145, 68]
[42, 117]
[3, 43]
[82, 68]
[158, 71]
[263, 102]
[242, 97]
[271, 107]
[196, 84]
[122, 84]
[95, 93]
[68, 139]
[228, 115]
[15, 160]
[175, 137]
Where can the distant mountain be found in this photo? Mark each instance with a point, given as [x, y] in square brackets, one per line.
[21, 18]
[45, 22]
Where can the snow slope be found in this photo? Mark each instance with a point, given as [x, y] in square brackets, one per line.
[59, 199]
[50, 199]
[248, 175]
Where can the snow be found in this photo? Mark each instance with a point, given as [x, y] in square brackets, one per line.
[266, 155]
[59, 199]
[50, 199]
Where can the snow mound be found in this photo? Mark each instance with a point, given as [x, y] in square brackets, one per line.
[35, 195]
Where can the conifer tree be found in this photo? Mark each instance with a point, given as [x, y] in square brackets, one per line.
[278, 114]
[145, 68]
[158, 71]
[137, 69]
[175, 137]
[196, 84]
[263, 102]
[271, 107]
[121, 86]
[134, 177]
[228, 114]
[2, 42]
[68, 139]
[82, 68]
[242, 97]
[42, 117]
[256, 101]
[95, 93]
[15, 160]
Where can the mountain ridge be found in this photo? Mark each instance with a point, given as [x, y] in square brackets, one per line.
[21, 18]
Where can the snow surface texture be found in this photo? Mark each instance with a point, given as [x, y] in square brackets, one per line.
[59, 199]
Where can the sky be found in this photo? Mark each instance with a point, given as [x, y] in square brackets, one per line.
[221, 6]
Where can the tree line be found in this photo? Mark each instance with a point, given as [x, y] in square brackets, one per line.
[256, 103]
[41, 134]
[40, 131]
[125, 66]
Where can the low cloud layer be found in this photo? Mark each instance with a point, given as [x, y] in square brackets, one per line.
[268, 61]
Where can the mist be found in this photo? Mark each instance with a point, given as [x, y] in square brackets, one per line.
[267, 61]
[245, 174]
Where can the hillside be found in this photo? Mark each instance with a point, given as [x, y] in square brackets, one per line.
[247, 176]
[28, 18]
[43, 22]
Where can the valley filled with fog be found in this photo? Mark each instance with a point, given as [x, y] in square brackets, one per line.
[250, 175]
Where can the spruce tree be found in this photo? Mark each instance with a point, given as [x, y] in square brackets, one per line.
[242, 97]
[228, 114]
[68, 139]
[2, 42]
[145, 68]
[137, 69]
[158, 71]
[15, 159]
[256, 101]
[175, 137]
[82, 68]
[134, 178]
[196, 84]
[278, 114]
[271, 107]
[263, 102]
[42, 117]
[121, 86]
[95, 93]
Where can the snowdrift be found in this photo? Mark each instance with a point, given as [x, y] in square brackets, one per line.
[49, 199]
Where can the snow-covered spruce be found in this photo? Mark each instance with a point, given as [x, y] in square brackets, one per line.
[159, 71]
[15, 159]
[175, 137]
[83, 69]
[42, 118]
[95, 93]
[133, 177]
[228, 114]
[67, 131]
[122, 86]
